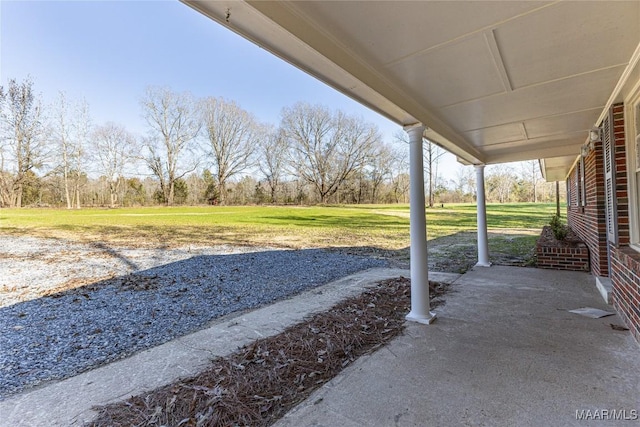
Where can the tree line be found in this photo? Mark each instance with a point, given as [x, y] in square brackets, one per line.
[211, 151]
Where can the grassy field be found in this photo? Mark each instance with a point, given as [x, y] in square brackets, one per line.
[380, 226]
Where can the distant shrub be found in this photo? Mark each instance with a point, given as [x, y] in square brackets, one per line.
[558, 228]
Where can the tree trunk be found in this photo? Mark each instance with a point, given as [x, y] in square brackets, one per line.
[222, 188]
[66, 189]
[431, 198]
[171, 193]
[112, 195]
[19, 196]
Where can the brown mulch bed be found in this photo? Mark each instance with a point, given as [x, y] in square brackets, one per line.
[549, 240]
[262, 381]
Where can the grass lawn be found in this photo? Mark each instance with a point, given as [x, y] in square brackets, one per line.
[381, 226]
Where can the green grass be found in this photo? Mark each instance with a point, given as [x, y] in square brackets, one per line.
[382, 226]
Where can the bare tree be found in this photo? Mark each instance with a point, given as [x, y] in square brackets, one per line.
[400, 185]
[174, 125]
[71, 129]
[431, 154]
[380, 168]
[272, 153]
[21, 118]
[465, 182]
[326, 148]
[113, 148]
[399, 179]
[6, 179]
[62, 134]
[82, 131]
[232, 137]
[500, 182]
[531, 175]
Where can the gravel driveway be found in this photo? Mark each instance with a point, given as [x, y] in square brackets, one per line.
[68, 307]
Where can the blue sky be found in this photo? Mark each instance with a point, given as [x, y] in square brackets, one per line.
[108, 52]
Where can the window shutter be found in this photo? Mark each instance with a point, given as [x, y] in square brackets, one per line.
[608, 144]
[577, 184]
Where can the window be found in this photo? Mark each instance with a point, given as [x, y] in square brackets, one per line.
[575, 185]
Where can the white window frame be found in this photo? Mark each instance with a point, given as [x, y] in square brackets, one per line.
[632, 132]
[583, 190]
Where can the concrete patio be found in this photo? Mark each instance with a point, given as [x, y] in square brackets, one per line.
[504, 351]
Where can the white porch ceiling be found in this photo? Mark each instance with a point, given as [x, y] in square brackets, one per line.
[493, 81]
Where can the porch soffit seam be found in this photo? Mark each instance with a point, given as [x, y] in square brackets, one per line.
[490, 27]
[546, 116]
[292, 20]
[533, 85]
[539, 139]
[496, 55]
[523, 129]
[634, 62]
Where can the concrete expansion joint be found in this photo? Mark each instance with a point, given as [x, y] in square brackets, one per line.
[258, 333]
[201, 350]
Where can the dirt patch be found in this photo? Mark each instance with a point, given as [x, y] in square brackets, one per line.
[75, 283]
[260, 382]
[457, 253]
[35, 267]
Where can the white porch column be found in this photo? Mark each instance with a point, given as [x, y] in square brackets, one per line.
[420, 303]
[483, 241]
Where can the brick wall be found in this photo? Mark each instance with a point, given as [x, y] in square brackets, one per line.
[625, 276]
[588, 220]
[559, 258]
[625, 262]
[589, 223]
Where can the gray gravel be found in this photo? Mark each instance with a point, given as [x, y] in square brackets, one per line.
[60, 335]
